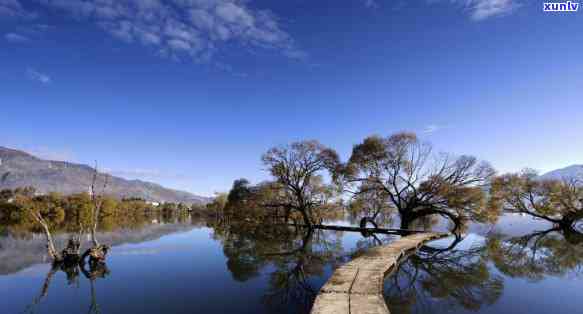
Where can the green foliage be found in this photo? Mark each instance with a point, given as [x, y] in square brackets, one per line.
[72, 212]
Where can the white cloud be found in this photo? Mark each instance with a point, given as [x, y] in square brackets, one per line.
[483, 9]
[34, 75]
[479, 10]
[179, 29]
[16, 38]
[433, 128]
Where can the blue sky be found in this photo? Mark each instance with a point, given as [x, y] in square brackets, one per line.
[190, 93]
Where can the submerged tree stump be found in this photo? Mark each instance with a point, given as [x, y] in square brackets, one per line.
[70, 254]
[96, 254]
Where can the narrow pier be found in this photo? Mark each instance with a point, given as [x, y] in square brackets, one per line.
[357, 287]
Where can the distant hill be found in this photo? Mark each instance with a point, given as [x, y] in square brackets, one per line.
[20, 169]
[574, 171]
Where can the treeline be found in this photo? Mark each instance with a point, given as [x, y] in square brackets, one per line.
[394, 176]
[69, 213]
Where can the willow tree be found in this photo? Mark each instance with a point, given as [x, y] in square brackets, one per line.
[559, 202]
[299, 170]
[371, 206]
[417, 182]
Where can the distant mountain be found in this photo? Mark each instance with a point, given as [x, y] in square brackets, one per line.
[574, 171]
[20, 169]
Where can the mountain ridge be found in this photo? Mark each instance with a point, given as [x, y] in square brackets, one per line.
[20, 169]
[569, 172]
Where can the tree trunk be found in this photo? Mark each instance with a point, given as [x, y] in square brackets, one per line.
[307, 219]
[96, 254]
[52, 251]
[365, 220]
[572, 236]
[406, 220]
[407, 217]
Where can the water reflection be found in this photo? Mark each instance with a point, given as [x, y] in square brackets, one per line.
[297, 260]
[280, 269]
[91, 271]
[455, 277]
[553, 252]
[471, 274]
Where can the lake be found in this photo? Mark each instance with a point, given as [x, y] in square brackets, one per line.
[517, 266]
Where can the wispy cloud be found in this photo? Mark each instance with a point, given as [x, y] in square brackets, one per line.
[479, 10]
[433, 128]
[178, 29]
[13, 9]
[483, 9]
[37, 76]
[16, 38]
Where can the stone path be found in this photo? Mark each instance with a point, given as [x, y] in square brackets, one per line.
[357, 287]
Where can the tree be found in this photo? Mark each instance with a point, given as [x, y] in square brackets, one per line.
[239, 195]
[371, 204]
[299, 168]
[98, 252]
[41, 209]
[239, 191]
[217, 206]
[417, 182]
[557, 201]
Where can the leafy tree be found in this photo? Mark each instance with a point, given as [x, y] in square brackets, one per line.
[239, 194]
[217, 206]
[299, 169]
[371, 205]
[417, 182]
[557, 201]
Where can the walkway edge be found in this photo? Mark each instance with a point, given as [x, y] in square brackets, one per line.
[357, 287]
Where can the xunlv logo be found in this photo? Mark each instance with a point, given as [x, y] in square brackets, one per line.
[561, 6]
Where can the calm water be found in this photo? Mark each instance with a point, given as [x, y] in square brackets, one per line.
[192, 268]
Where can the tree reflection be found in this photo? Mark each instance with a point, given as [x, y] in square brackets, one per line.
[72, 272]
[295, 258]
[443, 277]
[437, 279]
[554, 252]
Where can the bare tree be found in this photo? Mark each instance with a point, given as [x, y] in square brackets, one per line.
[417, 182]
[299, 169]
[70, 254]
[98, 252]
[52, 251]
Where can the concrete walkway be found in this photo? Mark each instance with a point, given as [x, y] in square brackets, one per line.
[357, 287]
